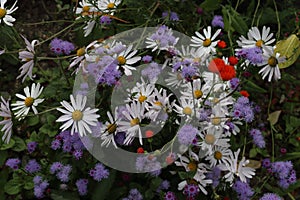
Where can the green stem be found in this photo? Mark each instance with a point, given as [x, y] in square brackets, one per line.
[291, 196]
[56, 58]
[64, 73]
[278, 21]
[255, 12]
[271, 126]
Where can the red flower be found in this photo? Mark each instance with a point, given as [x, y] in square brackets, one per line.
[149, 133]
[222, 44]
[140, 150]
[244, 93]
[169, 160]
[216, 65]
[233, 60]
[227, 73]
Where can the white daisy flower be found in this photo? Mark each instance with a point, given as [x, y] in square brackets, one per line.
[89, 27]
[133, 114]
[77, 116]
[125, 59]
[109, 130]
[28, 57]
[175, 79]
[255, 39]
[29, 101]
[194, 90]
[270, 63]
[6, 122]
[5, 13]
[206, 42]
[108, 6]
[186, 109]
[142, 92]
[218, 155]
[238, 168]
[85, 8]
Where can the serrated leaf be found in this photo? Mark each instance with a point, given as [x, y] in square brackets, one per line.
[19, 144]
[290, 48]
[273, 117]
[13, 187]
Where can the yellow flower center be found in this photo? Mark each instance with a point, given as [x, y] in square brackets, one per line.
[28, 59]
[272, 61]
[187, 110]
[206, 42]
[110, 6]
[2, 12]
[192, 166]
[215, 100]
[29, 101]
[142, 98]
[216, 120]
[259, 43]
[134, 121]
[218, 155]
[85, 8]
[77, 115]
[121, 60]
[80, 52]
[111, 128]
[198, 94]
[6, 118]
[158, 103]
[209, 139]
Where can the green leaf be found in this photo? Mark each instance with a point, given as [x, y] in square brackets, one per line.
[155, 183]
[28, 183]
[13, 187]
[238, 23]
[252, 87]
[59, 195]
[186, 175]
[47, 129]
[3, 156]
[5, 146]
[290, 48]
[252, 153]
[32, 121]
[149, 194]
[210, 5]
[102, 189]
[117, 193]
[19, 144]
[273, 117]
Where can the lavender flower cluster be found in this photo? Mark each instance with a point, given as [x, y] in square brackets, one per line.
[40, 186]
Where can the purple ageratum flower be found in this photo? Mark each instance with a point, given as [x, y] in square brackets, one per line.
[266, 163]
[270, 196]
[31, 146]
[77, 154]
[61, 47]
[134, 194]
[99, 172]
[147, 59]
[243, 110]
[215, 176]
[172, 17]
[55, 144]
[63, 173]
[234, 83]
[81, 185]
[191, 190]
[55, 167]
[105, 19]
[258, 138]
[162, 39]
[145, 164]
[32, 166]
[217, 21]
[152, 71]
[109, 75]
[284, 172]
[170, 196]
[204, 114]
[186, 134]
[13, 163]
[243, 190]
[253, 55]
[40, 186]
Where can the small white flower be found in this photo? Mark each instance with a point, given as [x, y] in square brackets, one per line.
[206, 42]
[28, 57]
[6, 122]
[5, 13]
[270, 63]
[125, 59]
[109, 130]
[175, 79]
[133, 114]
[108, 6]
[77, 116]
[29, 101]
[89, 27]
[255, 39]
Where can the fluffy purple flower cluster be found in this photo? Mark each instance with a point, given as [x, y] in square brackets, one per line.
[152, 71]
[147, 164]
[40, 186]
[187, 134]
[282, 170]
[258, 138]
[62, 171]
[81, 185]
[243, 190]
[32, 166]
[173, 16]
[105, 19]
[69, 144]
[243, 110]
[215, 176]
[134, 194]
[191, 190]
[13, 163]
[234, 83]
[163, 38]
[163, 186]
[253, 55]
[31, 146]
[170, 196]
[99, 172]
[217, 21]
[61, 47]
[270, 196]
